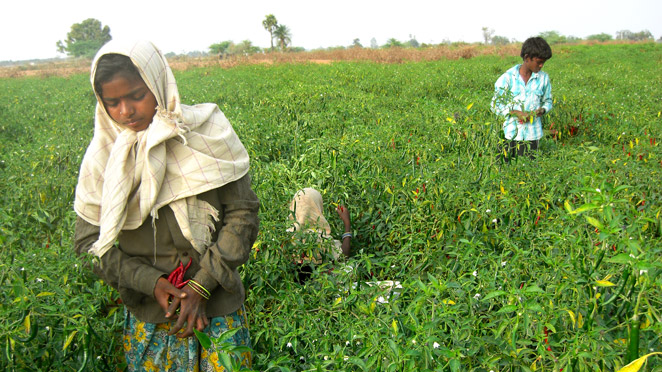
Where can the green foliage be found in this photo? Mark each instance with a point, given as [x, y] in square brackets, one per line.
[230, 48]
[283, 35]
[536, 265]
[393, 43]
[85, 38]
[602, 37]
[500, 40]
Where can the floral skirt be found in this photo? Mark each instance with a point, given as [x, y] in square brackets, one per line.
[148, 347]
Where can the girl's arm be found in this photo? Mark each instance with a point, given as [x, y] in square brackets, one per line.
[346, 247]
[236, 236]
[135, 274]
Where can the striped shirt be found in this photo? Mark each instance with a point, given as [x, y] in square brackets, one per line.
[511, 93]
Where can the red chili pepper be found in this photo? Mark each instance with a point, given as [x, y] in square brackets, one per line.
[176, 277]
[537, 219]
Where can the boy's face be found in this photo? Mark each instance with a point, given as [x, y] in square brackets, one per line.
[129, 102]
[534, 64]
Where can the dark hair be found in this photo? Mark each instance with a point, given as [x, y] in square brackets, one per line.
[536, 47]
[111, 65]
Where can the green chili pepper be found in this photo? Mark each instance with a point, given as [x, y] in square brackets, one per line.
[633, 346]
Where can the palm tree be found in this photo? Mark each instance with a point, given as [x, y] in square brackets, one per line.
[270, 23]
[283, 35]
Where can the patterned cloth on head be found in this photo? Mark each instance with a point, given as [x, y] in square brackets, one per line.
[308, 216]
[127, 176]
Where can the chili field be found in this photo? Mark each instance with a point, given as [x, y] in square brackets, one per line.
[538, 265]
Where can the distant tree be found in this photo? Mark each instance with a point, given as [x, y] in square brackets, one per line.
[393, 43]
[245, 47]
[85, 39]
[270, 24]
[572, 39]
[499, 40]
[643, 35]
[634, 36]
[220, 48]
[487, 34]
[283, 35]
[413, 43]
[553, 37]
[599, 37]
[357, 43]
[373, 43]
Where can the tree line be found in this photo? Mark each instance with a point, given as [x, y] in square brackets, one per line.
[88, 36]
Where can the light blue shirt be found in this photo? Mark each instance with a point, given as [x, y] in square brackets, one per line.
[511, 93]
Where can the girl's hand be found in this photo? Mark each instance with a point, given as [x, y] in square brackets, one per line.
[192, 312]
[163, 291]
[343, 212]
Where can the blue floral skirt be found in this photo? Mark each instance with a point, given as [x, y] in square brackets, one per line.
[148, 347]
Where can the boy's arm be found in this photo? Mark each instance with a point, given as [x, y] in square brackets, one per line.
[501, 100]
[547, 96]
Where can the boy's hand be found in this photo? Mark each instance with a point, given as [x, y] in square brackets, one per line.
[540, 111]
[522, 116]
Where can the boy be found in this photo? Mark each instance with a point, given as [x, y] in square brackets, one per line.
[522, 95]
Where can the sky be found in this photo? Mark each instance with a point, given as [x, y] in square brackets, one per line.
[33, 27]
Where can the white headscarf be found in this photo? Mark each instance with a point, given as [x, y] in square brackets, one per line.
[308, 215]
[187, 150]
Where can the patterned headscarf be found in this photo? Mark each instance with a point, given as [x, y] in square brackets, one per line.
[126, 176]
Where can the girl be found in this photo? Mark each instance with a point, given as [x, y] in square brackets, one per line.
[170, 183]
[307, 215]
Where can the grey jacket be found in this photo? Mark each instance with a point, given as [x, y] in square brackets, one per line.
[134, 266]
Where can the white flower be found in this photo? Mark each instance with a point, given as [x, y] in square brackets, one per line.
[477, 296]
[289, 344]
[39, 280]
[301, 358]
[326, 357]
[22, 268]
[488, 211]
[346, 343]
[598, 190]
[503, 263]
[642, 272]
[345, 357]
[435, 345]
[413, 342]
[494, 220]
[475, 273]
[358, 343]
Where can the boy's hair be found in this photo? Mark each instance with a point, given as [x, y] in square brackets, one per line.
[536, 47]
[111, 65]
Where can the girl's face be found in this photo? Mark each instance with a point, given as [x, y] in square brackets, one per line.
[129, 102]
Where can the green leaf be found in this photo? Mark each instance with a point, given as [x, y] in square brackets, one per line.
[203, 338]
[494, 294]
[507, 309]
[584, 208]
[69, 339]
[620, 258]
[533, 289]
[594, 222]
